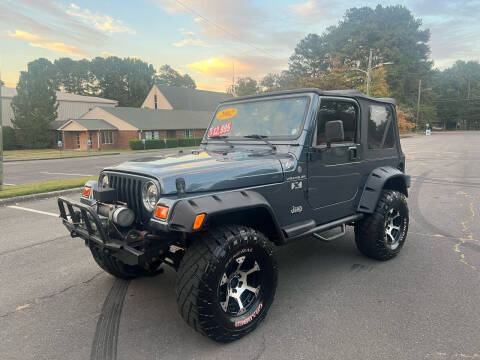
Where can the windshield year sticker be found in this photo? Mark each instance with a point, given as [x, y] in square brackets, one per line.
[227, 114]
[220, 130]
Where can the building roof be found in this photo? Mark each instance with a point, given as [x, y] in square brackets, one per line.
[90, 124]
[341, 93]
[159, 119]
[9, 92]
[181, 98]
[57, 124]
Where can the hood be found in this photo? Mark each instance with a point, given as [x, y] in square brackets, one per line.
[208, 171]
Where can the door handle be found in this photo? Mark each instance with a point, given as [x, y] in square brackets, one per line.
[352, 150]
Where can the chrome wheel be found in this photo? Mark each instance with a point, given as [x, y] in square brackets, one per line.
[393, 224]
[240, 286]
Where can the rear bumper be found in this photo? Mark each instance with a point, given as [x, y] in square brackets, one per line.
[82, 221]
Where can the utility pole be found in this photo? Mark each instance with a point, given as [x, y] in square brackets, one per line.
[369, 71]
[418, 103]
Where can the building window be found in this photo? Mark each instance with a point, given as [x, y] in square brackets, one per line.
[155, 101]
[77, 138]
[188, 133]
[152, 135]
[107, 137]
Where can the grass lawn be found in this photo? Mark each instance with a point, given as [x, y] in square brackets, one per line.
[43, 186]
[47, 153]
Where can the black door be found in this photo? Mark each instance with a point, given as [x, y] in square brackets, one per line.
[333, 171]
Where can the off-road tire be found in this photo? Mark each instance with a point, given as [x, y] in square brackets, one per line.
[370, 232]
[117, 268]
[202, 271]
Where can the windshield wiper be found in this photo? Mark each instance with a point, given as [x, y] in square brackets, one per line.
[263, 138]
[221, 137]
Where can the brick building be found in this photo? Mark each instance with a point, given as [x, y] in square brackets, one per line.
[113, 128]
[167, 113]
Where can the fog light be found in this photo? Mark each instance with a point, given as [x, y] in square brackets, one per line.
[197, 224]
[161, 212]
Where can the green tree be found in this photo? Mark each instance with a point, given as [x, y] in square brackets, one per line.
[310, 57]
[244, 86]
[8, 137]
[74, 76]
[168, 76]
[394, 35]
[126, 80]
[457, 92]
[35, 105]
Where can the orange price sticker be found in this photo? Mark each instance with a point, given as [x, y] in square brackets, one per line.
[226, 114]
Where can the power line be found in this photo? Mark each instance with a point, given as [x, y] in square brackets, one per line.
[223, 29]
[449, 100]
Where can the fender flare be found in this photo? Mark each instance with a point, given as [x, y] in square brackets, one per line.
[185, 210]
[379, 179]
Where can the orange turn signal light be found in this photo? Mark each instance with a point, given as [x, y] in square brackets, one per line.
[161, 212]
[197, 224]
[86, 191]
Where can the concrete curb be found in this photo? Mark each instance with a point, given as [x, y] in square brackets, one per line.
[60, 157]
[46, 195]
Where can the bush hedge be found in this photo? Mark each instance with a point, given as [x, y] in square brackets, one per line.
[9, 138]
[164, 143]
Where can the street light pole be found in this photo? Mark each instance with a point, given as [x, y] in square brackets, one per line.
[368, 73]
[1, 137]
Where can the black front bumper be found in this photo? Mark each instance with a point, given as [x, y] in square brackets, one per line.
[83, 221]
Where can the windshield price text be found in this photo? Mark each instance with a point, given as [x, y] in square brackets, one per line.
[220, 130]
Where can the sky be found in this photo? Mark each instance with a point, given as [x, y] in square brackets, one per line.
[209, 39]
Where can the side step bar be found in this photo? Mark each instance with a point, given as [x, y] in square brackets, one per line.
[317, 230]
[333, 237]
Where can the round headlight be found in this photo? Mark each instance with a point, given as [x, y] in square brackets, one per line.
[150, 195]
[104, 182]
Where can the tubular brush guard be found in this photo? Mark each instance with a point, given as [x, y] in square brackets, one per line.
[83, 221]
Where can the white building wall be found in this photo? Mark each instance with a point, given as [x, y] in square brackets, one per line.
[7, 112]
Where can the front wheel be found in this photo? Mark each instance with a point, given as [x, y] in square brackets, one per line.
[226, 282]
[381, 235]
[117, 268]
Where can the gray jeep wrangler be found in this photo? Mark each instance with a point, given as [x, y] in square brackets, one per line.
[272, 169]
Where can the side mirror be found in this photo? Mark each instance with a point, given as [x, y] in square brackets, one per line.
[334, 131]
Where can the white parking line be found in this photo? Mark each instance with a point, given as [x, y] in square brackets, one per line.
[8, 184]
[33, 210]
[69, 174]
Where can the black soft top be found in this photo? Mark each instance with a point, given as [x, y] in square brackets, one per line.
[342, 93]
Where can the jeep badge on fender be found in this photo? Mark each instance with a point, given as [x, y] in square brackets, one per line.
[272, 168]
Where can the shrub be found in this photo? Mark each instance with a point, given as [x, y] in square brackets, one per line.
[9, 138]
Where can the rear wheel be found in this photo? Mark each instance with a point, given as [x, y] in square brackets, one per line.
[226, 282]
[117, 268]
[381, 235]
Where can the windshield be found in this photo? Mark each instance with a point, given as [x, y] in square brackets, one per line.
[280, 118]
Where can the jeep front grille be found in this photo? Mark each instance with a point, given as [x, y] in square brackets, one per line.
[129, 190]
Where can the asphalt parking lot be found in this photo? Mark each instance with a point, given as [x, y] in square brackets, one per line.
[25, 172]
[331, 302]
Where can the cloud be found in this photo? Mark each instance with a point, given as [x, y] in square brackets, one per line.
[100, 21]
[39, 42]
[48, 19]
[244, 65]
[189, 38]
[236, 22]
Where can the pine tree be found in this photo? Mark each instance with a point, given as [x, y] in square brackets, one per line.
[35, 105]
